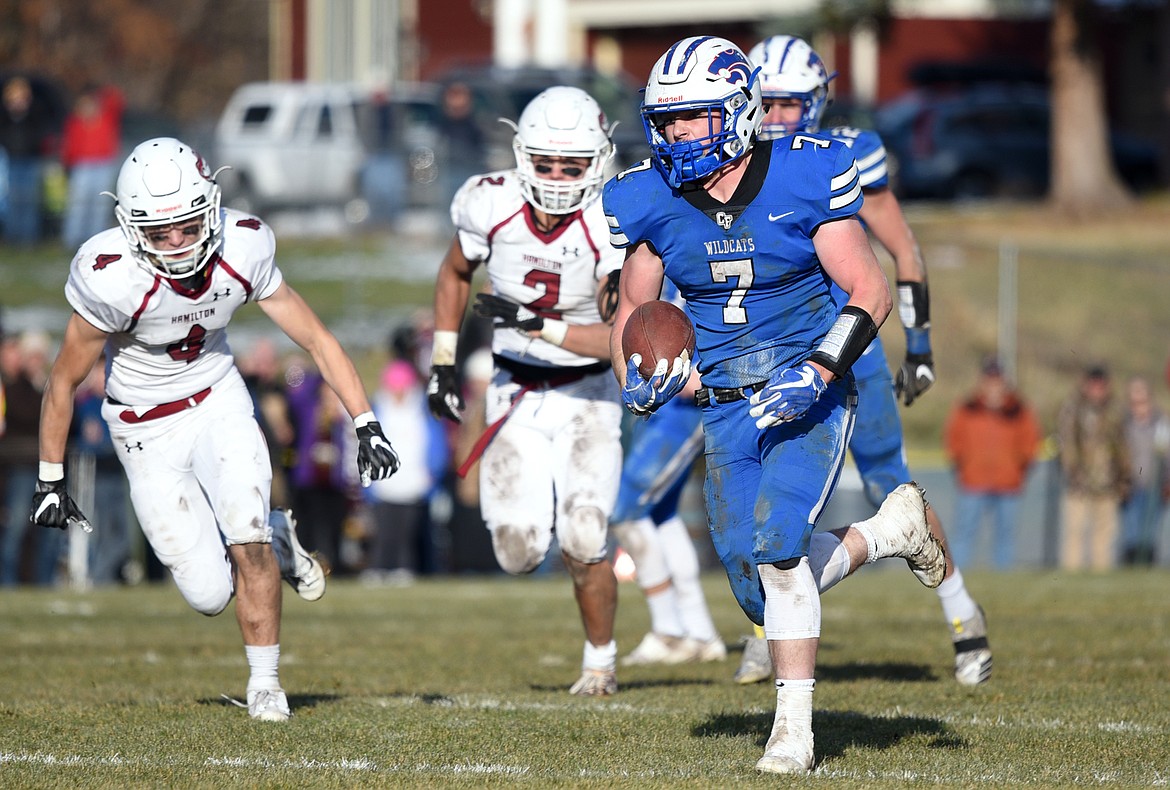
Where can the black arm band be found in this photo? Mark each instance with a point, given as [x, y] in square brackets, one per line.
[914, 304]
[847, 340]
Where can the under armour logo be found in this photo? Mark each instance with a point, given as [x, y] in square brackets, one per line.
[567, 251]
[224, 294]
[724, 220]
[133, 447]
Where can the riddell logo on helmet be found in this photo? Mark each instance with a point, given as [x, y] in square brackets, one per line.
[168, 209]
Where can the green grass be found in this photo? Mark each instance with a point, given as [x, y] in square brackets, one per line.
[463, 683]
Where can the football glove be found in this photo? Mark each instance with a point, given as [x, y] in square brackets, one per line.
[53, 507]
[510, 313]
[643, 396]
[917, 372]
[443, 396]
[376, 459]
[787, 395]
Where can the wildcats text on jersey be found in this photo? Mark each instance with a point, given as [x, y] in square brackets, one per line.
[730, 246]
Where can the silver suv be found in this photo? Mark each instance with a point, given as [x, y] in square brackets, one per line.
[307, 145]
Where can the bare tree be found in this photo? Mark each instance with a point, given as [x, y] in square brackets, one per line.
[1084, 178]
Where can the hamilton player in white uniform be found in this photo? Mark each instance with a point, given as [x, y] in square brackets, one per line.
[156, 295]
[555, 462]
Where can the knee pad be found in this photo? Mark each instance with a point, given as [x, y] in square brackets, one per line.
[641, 541]
[517, 549]
[584, 535]
[207, 591]
[792, 603]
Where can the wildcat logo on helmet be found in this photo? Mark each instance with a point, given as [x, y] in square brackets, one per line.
[730, 66]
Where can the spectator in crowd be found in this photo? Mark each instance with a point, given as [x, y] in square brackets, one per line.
[465, 145]
[97, 467]
[23, 367]
[322, 482]
[90, 148]
[401, 505]
[471, 542]
[1094, 462]
[26, 129]
[992, 438]
[1147, 434]
[261, 370]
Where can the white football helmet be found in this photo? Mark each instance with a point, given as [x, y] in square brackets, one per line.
[708, 74]
[567, 122]
[162, 182]
[791, 69]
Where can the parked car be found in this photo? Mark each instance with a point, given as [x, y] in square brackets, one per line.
[985, 141]
[305, 145]
[501, 92]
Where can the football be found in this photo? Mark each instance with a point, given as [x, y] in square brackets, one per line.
[657, 330]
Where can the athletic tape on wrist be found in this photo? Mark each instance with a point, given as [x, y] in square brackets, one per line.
[443, 347]
[554, 331]
[914, 304]
[51, 472]
[364, 419]
[847, 340]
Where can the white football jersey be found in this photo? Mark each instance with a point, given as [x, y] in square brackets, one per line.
[166, 343]
[553, 274]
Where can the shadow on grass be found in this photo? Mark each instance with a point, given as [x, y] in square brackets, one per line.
[854, 670]
[837, 731]
[295, 701]
[629, 685]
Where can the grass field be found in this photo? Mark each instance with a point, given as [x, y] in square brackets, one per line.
[463, 683]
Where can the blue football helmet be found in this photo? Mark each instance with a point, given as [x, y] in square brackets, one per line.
[709, 74]
[791, 69]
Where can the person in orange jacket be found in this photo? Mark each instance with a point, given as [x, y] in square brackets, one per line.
[992, 438]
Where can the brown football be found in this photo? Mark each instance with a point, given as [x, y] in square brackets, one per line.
[657, 330]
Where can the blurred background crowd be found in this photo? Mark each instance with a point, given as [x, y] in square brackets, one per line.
[351, 117]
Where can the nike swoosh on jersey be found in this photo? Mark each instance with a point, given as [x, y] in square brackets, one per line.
[774, 217]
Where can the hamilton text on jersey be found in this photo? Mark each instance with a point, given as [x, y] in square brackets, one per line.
[198, 315]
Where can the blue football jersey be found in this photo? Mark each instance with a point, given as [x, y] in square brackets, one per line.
[869, 153]
[754, 288]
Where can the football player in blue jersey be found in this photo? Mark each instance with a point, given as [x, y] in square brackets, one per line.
[795, 93]
[752, 235]
[661, 453]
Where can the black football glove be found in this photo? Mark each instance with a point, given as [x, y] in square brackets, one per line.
[914, 377]
[443, 393]
[510, 313]
[376, 458]
[53, 507]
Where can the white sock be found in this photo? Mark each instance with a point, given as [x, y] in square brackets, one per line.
[957, 603]
[793, 710]
[664, 612]
[828, 558]
[600, 658]
[683, 562]
[263, 660]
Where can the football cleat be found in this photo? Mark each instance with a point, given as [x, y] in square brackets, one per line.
[711, 651]
[298, 567]
[268, 705]
[900, 530]
[756, 664]
[662, 649]
[595, 683]
[972, 650]
[787, 752]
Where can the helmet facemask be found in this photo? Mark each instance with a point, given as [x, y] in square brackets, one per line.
[165, 184]
[701, 75]
[791, 69]
[561, 123]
